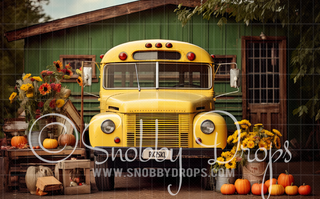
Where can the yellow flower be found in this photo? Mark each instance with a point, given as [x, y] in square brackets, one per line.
[37, 78]
[259, 124]
[226, 154]
[220, 159]
[230, 138]
[29, 94]
[276, 142]
[26, 76]
[250, 144]
[59, 103]
[263, 144]
[268, 133]
[275, 131]
[24, 87]
[232, 164]
[246, 122]
[243, 134]
[12, 96]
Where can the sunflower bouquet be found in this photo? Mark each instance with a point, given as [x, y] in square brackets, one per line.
[257, 139]
[39, 95]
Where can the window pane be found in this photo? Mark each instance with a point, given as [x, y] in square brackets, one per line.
[263, 96]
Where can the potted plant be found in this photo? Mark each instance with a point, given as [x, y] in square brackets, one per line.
[225, 168]
[249, 143]
[41, 95]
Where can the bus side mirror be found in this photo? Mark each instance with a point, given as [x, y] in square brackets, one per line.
[235, 79]
[87, 76]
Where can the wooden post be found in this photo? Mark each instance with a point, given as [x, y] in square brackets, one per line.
[81, 125]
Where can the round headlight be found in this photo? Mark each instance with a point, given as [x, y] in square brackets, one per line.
[108, 126]
[207, 127]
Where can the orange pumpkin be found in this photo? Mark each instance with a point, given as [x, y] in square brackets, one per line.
[304, 189]
[66, 139]
[50, 143]
[242, 186]
[228, 189]
[291, 190]
[285, 179]
[276, 190]
[18, 141]
[269, 182]
[257, 188]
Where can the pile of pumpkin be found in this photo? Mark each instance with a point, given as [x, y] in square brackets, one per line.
[20, 142]
[284, 184]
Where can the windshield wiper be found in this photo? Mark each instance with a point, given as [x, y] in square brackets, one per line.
[135, 65]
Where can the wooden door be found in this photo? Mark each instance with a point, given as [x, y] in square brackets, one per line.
[264, 91]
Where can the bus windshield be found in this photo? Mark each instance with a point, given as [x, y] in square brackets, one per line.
[157, 75]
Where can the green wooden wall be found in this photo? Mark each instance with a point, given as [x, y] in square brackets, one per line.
[97, 38]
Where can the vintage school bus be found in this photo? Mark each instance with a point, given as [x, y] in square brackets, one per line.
[155, 94]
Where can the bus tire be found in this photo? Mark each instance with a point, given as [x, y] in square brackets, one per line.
[104, 183]
[208, 181]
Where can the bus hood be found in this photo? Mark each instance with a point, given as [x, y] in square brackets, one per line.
[161, 101]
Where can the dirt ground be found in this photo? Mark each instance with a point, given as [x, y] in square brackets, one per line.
[146, 187]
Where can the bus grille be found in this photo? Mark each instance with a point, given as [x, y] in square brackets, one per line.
[173, 130]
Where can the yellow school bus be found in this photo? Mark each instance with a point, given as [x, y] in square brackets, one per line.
[156, 94]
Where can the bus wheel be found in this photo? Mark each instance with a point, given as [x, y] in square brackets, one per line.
[104, 183]
[208, 181]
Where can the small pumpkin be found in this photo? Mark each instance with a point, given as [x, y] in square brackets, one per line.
[257, 188]
[304, 189]
[17, 141]
[228, 189]
[276, 189]
[291, 190]
[285, 179]
[50, 143]
[242, 186]
[66, 139]
[270, 181]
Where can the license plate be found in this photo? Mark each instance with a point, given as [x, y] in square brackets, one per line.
[159, 154]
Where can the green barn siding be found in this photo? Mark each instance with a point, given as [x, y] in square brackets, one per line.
[99, 37]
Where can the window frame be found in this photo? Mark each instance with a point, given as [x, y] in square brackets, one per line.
[227, 76]
[74, 77]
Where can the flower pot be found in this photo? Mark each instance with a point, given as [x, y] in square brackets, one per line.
[254, 171]
[223, 176]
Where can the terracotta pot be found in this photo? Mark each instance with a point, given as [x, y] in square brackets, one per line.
[32, 175]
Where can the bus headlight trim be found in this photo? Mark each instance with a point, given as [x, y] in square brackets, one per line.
[108, 126]
[207, 127]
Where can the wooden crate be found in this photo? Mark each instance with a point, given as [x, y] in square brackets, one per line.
[72, 113]
[62, 173]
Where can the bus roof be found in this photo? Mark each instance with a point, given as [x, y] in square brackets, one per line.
[136, 51]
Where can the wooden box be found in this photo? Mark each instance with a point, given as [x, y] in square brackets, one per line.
[62, 173]
[72, 113]
[48, 183]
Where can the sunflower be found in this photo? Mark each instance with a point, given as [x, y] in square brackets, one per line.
[26, 76]
[250, 144]
[29, 94]
[259, 125]
[37, 78]
[45, 89]
[221, 160]
[276, 142]
[79, 81]
[268, 133]
[246, 122]
[275, 131]
[58, 65]
[59, 103]
[12, 96]
[262, 145]
[229, 140]
[232, 164]
[68, 72]
[26, 87]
